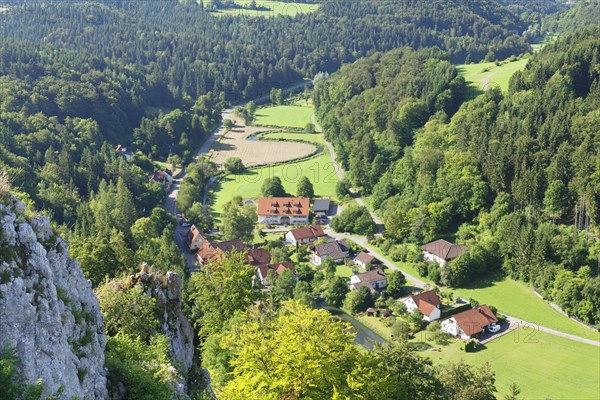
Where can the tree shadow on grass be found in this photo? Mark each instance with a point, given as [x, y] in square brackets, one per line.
[485, 282]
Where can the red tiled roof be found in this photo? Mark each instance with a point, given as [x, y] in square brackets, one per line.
[258, 256]
[212, 251]
[275, 206]
[474, 320]
[192, 234]
[307, 232]
[427, 301]
[443, 249]
[277, 267]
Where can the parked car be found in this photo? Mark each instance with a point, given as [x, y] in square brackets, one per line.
[494, 328]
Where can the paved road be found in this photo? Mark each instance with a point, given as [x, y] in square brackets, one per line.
[340, 174]
[519, 322]
[362, 241]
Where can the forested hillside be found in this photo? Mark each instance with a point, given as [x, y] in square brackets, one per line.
[515, 173]
[194, 52]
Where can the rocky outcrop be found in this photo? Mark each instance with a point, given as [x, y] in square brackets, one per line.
[167, 291]
[48, 311]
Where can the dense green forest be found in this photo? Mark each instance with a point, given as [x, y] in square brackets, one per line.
[194, 52]
[512, 175]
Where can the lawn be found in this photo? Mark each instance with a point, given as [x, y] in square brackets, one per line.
[284, 116]
[544, 366]
[513, 298]
[319, 170]
[518, 300]
[489, 75]
[268, 8]
[344, 271]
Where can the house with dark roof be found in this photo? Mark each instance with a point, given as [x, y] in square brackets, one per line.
[337, 250]
[304, 235]
[427, 302]
[277, 268]
[283, 210]
[321, 207]
[194, 238]
[441, 251]
[214, 251]
[364, 259]
[375, 280]
[468, 324]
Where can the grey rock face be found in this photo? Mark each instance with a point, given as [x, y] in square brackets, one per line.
[48, 311]
[168, 295]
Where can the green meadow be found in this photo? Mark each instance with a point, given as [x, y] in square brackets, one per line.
[318, 169]
[544, 366]
[267, 8]
[284, 116]
[489, 74]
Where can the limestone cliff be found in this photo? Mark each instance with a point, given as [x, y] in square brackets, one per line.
[48, 311]
[167, 290]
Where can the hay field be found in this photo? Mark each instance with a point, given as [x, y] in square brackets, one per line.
[256, 152]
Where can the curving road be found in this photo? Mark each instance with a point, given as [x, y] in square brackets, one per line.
[514, 322]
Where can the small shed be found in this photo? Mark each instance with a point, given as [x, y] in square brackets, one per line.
[371, 312]
[321, 207]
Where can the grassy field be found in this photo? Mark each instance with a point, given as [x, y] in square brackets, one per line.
[544, 366]
[513, 298]
[319, 170]
[267, 8]
[485, 75]
[518, 300]
[284, 116]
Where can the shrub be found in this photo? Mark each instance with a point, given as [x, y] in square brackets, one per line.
[234, 165]
[471, 345]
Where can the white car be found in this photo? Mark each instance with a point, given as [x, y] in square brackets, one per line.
[493, 328]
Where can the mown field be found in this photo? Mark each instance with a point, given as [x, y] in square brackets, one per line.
[515, 299]
[267, 8]
[486, 75]
[284, 116]
[544, 366]
[253, 152]
[518, 300]
[319, 169]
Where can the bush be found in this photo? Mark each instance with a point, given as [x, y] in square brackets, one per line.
[358, 300]
[234, 165]
[472, 345]
[401, 330]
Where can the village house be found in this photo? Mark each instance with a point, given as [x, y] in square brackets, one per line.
[122, 151]
[427, 302]
[336, 250]
[375, 280]
[283, 210]
[441, 251]
[258, 256]
[304, 235]
[214, 251]
[277, 268]
[194, 238]
[364, 260]
[468, 324]
[164, 178]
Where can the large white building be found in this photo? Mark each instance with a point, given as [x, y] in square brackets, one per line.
[283, 210]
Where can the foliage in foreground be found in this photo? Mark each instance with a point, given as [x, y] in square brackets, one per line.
[297, 352]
